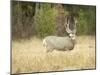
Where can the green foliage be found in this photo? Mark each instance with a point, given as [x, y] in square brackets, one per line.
[30, 19]
[87, 20]
[46, 21]
[23, 19]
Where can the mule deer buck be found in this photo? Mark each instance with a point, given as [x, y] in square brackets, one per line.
[62, 43]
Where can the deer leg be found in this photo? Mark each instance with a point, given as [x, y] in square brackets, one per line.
[49, 49]
[66, 49]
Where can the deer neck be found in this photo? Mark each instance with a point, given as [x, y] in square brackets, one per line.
[73, 40]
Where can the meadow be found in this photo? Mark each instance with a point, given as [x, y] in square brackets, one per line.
[30, 56]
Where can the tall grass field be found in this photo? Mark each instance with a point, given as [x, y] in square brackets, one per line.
[30, 56]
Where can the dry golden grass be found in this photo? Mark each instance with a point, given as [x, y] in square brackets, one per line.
[30, 56]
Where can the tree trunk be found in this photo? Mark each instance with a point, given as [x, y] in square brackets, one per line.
[60, 29]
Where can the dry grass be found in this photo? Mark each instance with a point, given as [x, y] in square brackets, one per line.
[30, 56]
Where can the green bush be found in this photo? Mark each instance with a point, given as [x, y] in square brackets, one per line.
[46, 21]
[87, 21]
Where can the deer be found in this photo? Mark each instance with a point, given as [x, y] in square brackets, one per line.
[65, 43]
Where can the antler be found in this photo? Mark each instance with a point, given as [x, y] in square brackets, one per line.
[67, 23]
